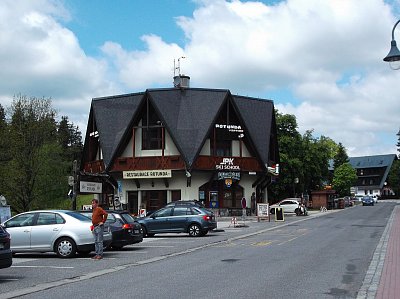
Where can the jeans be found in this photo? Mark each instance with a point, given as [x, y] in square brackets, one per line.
[98, 239]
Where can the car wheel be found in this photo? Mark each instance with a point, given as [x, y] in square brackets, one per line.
[144, 231]
[194, 230]
[65, 248]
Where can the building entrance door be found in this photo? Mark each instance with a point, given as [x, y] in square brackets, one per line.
[133, 206]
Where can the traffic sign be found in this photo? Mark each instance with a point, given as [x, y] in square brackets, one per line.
[71, 180]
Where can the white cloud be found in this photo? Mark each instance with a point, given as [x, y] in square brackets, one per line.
[328, 54]
[39, 57]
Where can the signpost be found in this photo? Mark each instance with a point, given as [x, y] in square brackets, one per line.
[279, 215]
[90, 187]
[262, 211]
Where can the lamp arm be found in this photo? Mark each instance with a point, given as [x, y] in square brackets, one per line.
[394, 27]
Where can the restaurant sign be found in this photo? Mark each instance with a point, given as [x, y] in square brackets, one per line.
[147, 174]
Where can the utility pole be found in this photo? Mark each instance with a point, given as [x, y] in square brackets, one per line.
[74, 187]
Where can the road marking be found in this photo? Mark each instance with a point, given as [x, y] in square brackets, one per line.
[22, 260]
[262, 243]
[48, 267]
[290, 240]
[158, 246]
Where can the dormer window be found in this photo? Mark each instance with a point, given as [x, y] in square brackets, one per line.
[152, 131]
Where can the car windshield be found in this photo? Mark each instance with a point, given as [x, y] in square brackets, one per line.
[78, 216]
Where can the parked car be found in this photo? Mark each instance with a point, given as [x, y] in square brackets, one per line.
[359, 197]
[194, 203]
[195, 221]
[5, 251]
[289, 205]
[124, 228]
[367, 201]
[348, 201]
[60, 231]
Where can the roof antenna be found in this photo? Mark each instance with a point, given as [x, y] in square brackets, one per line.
[180, 80]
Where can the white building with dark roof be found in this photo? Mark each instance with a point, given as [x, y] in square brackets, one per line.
[372, 173]
[181, 143]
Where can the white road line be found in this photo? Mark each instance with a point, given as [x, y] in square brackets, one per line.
[49, 267]
[22, 260]
[157, 246]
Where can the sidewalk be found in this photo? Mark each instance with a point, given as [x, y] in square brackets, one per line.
[389, 286]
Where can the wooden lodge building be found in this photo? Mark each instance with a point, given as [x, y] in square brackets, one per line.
[150, 148]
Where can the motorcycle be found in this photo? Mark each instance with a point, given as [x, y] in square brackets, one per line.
[301, 211]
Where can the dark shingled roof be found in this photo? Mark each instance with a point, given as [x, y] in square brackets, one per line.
[112, 116]
[188, 115]
[372, 161]
[257, 116]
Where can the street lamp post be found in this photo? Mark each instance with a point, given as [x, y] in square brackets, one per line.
[393, 56]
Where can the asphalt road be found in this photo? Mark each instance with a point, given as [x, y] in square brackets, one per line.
[304, 257]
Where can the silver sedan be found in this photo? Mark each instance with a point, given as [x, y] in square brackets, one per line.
[60, 231]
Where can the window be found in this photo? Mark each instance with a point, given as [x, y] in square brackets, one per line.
[181, 211]
[151, 138]
[22, 220]
[152, 131]
[49, 218]
[223, 148]
[164, 213]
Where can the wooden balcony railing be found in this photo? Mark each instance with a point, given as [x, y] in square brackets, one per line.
[172, 162]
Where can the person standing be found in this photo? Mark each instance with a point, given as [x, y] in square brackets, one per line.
[244, 206]
[99, 217]
[253, 203]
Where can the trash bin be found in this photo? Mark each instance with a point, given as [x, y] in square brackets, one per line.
[341, 203]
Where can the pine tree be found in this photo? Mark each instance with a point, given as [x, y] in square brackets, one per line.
[340, 157]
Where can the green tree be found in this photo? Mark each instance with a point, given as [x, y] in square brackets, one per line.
[398, 143]
[344, 177]
[289, 140]
[393, 179]
[316, 155]
[340, 156]
[70, 139]
[35, 175]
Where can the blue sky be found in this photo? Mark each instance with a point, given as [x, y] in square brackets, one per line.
[126, 21]
[319, 60]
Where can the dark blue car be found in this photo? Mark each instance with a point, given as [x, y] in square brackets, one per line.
[367, 201]
[194, 220]
[5, 252]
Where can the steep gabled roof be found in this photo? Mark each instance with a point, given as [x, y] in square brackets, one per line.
[257, 116]
[372, 161]
[188, 115]
[112, 116]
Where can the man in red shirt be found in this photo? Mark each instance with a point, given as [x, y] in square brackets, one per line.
[99, 216]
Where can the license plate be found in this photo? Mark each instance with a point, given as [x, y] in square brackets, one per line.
[1, 245]
[137, 231]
